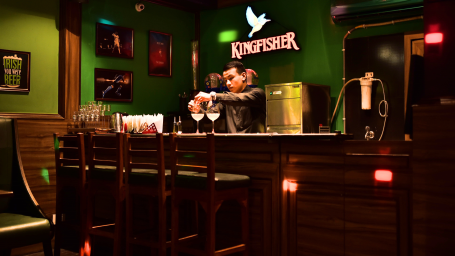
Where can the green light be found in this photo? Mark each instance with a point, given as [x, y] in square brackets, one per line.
[45, 175]
[189, 156]
[104, 21]
[271, 93]
[227, 36]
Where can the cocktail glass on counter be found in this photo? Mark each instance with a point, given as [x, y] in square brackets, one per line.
[213, 113]
[197, 114]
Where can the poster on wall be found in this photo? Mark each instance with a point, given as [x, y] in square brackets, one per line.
[114, 41]
[113, 85]
[15, 75]
[160, 54]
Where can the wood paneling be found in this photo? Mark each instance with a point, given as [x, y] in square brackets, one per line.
[339, 208]
[259, 159]
[37, 152]
[376, 221]
[69, 58]
[319, 217]
[433, 199]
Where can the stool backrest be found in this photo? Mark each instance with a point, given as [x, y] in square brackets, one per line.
[145, 152]
[70, 151]
[106, 150]
[194, 153]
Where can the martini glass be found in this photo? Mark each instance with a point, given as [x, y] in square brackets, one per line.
[197, 114]
[213, 113]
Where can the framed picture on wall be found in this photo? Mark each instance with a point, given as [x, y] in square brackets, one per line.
[160, 54]
[113, 85]
[15, 71]
[114, 41]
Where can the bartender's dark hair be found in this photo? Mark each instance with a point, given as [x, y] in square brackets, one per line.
[235, 64]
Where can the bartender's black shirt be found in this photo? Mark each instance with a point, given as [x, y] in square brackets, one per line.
[245, 111]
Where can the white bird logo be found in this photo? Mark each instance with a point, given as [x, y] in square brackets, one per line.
[255, 22]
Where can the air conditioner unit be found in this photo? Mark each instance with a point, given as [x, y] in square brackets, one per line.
[370, 10]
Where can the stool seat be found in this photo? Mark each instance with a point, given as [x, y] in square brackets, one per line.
[149, 177]
[19, 230]
[222, 181]
[104, 172]
[70, 171]
[101, 172]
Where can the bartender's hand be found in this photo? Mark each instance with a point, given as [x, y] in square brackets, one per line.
[192, 106]
[201, 97]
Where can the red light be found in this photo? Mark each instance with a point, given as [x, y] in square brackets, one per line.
[433, 38]
[289, 186]
[292, 186]
[285, 185]
[383, 175]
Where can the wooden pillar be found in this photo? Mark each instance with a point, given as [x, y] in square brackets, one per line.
[69, 58]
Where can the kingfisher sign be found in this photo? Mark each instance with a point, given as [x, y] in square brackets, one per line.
[285, 41]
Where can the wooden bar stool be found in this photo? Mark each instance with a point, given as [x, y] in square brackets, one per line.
[105, 177]
[71, 173]
[208, 188]
[146, 175]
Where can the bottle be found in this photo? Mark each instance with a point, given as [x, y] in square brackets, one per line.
[175, 126]
[179, 126]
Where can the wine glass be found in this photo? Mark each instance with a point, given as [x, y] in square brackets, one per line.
[197, 114]
[213, 112]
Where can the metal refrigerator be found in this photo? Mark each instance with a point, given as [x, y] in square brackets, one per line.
[294, 108]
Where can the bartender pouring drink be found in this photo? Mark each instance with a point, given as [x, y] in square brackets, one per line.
[244, 107]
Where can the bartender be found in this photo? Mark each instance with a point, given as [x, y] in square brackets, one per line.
[243, 106]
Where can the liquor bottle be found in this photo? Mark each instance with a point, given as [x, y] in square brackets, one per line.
[179, 126]
[175, 126]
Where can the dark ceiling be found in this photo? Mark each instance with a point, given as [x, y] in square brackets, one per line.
[198, 5]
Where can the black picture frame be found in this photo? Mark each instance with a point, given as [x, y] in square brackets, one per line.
[160, 54]
[114, 41]
[120, 83]
[15, 71]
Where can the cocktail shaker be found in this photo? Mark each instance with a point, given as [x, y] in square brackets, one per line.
[117, 122]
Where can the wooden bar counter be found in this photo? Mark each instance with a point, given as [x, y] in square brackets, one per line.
[315, 194]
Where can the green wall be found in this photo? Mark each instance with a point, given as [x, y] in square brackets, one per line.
[320, 59]
[151, 94]
[32, 26]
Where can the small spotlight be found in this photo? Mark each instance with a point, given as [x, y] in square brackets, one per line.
[140, 7]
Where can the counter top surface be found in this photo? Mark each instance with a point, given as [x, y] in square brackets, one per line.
[265, 135]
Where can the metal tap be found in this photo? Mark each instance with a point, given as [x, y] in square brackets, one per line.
[370, 134]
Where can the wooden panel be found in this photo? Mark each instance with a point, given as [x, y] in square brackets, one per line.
[316, 221]
[401, 178]
[367, 233]
[376, 222]
[37, 152]
[260, 212]
[314, 173]
[378, 147]
[295, 158]
[232, 156]
[32, 116]
[259, 159]
[382, 161]
[69, 94]
[433, 198]
[312, 161]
